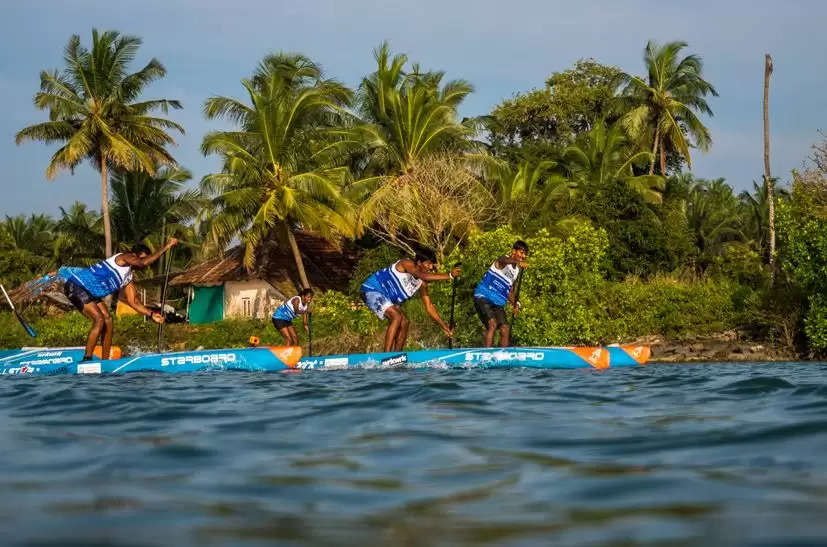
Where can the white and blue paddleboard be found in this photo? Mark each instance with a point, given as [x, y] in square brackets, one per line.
[549, 357]
[68, 361]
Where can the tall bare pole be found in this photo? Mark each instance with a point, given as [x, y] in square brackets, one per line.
[767, 176]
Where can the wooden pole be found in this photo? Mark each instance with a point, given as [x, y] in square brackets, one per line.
[767, 175]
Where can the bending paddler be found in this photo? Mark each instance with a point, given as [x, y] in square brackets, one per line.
[389, 287]
[289, 310]
[87, 287]
[495, 290]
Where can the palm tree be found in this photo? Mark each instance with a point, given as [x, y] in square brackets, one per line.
[604, 155]
[79, 235]
[94, 110]
[756, 214]
[405, 116]
[271, 180]
[34, 234]
[663, 106]
[712, 215]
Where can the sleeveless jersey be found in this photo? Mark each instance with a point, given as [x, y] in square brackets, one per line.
[395, 285]
[285, 312]
[104, 278]
[496, 283]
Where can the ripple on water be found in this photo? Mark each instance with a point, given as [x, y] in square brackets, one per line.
[696, 454]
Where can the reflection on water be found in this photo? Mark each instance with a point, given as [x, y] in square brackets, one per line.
[664, 454]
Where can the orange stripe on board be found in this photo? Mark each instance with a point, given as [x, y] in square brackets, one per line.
[596, 357]
[640, 354]
[289, 355]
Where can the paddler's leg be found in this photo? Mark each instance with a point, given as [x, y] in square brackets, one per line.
[505, 335]
[394, 317]
[402, 333]
[502, 324]
[106, 332]
[291, 336]
[90, 310]
[489, 323]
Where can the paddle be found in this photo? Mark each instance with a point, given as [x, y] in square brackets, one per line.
[453, 300]
[517, 286]
[164, 300]
[310, 334]
[28, 328]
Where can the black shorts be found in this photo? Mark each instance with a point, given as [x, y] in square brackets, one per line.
[77, 295]
[281, 323]
[487, 310]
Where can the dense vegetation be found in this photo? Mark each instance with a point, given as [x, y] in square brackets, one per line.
[592, 170]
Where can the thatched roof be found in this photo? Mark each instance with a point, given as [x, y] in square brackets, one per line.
[328, 266]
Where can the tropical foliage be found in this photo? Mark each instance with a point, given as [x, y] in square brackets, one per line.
[590, 170]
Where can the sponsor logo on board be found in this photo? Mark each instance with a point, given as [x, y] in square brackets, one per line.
[395, 361]
[19, 370]
[481, 357]
[89, 368]
[335, 362]
[53, 361]
[206, 359]
[310, 363]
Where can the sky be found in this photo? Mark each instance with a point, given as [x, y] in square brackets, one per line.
[502, 48]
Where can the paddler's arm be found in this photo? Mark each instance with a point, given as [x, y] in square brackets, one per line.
[131, 296]
[431, 309]
[409, 266]
[133, 260]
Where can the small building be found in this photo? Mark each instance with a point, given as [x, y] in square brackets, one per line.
[222, 287]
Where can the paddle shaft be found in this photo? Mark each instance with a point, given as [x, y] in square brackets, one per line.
[310, 334]
[29, 330]
[517, 286]
[164, 301]
[451, 322]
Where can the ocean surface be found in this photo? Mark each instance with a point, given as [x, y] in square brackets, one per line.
[694, 454]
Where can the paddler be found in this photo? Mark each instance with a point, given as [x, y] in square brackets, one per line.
[495, 290]
[389, 287]
[289, 310]
[86, 288]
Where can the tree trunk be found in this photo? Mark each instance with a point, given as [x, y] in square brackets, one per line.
[662, 160]
[654, 151]
[107, 229]
[297, 256]
[767, 175]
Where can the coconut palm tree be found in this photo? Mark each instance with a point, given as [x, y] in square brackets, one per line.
[663, 105]
[405, 115]
[34, 233]
[712, 216]
[605, 154]
[95, 111]
[271, 179]
[79, 235]
[756, 214]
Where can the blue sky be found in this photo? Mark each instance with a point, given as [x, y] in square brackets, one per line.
[207, 46]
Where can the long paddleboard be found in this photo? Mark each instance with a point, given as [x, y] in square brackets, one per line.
[68, 361]
[535, 357]
[263, 359]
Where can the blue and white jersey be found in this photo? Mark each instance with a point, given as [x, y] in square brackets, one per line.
[104, 278]
[496, 283]
[397, 286]
[286, 312]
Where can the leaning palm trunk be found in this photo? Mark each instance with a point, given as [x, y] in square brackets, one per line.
[297, 256]
[107, 228]
[767, 177]
[654, 152]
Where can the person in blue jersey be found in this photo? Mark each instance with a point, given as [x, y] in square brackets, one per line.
[289, 310]
[87, 287]
[389, 287]
[496, 290]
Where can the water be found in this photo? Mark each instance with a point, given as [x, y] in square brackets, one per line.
[666, 454]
